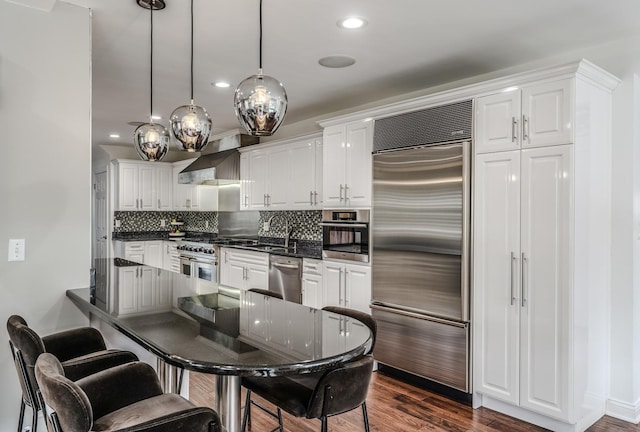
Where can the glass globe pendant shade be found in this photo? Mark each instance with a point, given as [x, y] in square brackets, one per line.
[190, 126]
[260, 102]
[151, 141]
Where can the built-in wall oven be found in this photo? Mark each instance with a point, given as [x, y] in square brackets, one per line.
[199, 261]
[345, 234]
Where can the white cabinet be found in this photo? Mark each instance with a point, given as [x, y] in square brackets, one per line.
[541, 252]
[285, 175]
[268, 178]
[537, 115]
[522, 261]
[339, 332]
[142, 185]
[306, 174]
[142, 289]
[170, 256]
[134, 251]
[312, 283]
[244, 269]
[346, 285]
[153, 253]
[185, 196]
[346, 161]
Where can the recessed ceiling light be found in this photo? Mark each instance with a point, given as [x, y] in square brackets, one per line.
[221, 84]
[336, 61]
[352, 23]
[114, 135]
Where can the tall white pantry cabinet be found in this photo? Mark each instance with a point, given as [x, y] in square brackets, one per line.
[541, 247]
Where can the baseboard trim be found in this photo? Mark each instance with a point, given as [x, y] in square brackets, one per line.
[624, 410]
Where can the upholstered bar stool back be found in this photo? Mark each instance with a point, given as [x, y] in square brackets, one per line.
[123, 398]
[81, 351]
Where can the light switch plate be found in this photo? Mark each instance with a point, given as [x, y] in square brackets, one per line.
[16, 249]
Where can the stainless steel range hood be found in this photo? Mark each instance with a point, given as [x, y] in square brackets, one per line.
[219, 164]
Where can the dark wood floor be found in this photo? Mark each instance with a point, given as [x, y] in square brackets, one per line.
[399, 407]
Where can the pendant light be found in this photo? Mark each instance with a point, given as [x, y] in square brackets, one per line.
[190, 124]
[151, 139]
[260, 101]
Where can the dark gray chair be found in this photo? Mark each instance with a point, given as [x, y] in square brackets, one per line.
[266, 292]
[124, 398]
[82, 352]
[319, 395]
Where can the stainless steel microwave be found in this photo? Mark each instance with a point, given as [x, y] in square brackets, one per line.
[345, 234]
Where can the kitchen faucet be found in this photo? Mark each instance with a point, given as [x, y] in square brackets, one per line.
[287, 229]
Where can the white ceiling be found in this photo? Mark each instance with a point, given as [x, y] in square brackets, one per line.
[407, 45]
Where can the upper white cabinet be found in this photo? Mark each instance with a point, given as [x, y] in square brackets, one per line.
[306, 174]
[142, 185]
[282, 176]
[190, 196]
[346, 161]
[537, 115]
[541, 249]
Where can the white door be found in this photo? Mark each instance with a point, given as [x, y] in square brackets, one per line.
[546, 114]
[357, 290]
[258, 170]
[303, 171]
[546, 197]
[333, 165]
[498, 122]
[164, 187]
[257, 276]
[358, 162]
[101, 228]
[332, 282]
[278, 178]
[496, 275]
[147, 187]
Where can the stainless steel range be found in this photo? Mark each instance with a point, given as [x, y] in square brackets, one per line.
[198, 259]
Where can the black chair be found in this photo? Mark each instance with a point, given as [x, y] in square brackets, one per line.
[82, 352]
[266, 292]
[123, 398]
[319, 395]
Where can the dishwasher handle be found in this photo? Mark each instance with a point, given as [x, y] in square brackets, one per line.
[287, 266]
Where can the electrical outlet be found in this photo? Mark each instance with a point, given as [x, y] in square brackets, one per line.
[117, 223]
[265, 226]
[206, 224]
[16, 249]
[163, 222]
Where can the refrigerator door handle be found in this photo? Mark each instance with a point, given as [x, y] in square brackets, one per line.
[525, 264]
[512, 274]
[417, 315]
[466, 230]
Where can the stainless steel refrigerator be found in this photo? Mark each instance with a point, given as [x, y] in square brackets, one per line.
[420, 260]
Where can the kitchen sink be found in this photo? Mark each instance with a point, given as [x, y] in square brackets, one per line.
[271, 248]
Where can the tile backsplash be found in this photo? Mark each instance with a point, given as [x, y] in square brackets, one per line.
[305, 223]
[151, 220]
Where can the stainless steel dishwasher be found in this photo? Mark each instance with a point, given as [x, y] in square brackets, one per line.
[285, 277]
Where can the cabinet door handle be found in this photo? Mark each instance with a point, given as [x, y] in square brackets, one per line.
[264, 200]
[525, 128]
[246, 200]
[310, 197]
[188, 203]
[159, 203]
[346, 292]
[525, 264]
[340, 288]
[346, 194]
[511, 275]
[340, 193]
[514, 128]
[137, 200]
[315, 198]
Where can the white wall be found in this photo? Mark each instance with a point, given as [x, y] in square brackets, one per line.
[45, 183]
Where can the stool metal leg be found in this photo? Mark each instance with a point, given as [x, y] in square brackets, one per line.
[247, 412]
[21, 420]
[34, 422]
[365, 416]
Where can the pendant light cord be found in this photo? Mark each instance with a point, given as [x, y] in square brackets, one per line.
[260, 58]
[191, 52]
[151, 65]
